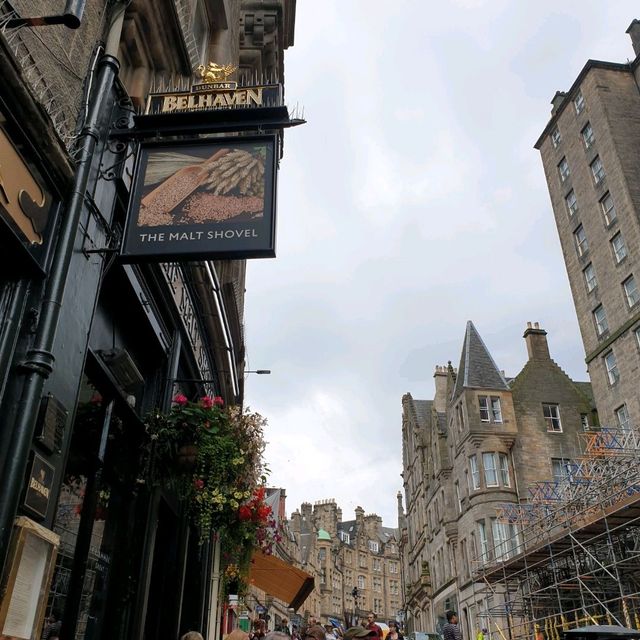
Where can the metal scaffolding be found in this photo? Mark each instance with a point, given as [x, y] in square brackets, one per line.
[573, 557]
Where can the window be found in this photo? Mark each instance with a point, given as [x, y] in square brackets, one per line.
[552, 417]
[503, 459]
[631, 291]
[374, 546]
[563, 169]
[484, 543]
[344, 536]
[584, 421]
[580, 237]
[622, 416]
[578, 103]
[619, 247]
[555, 138]
[587, 135]
[571, 202]
[490, 472]
[597, 170]
[608, 209]
[490, 410]
[362, 561]
[361, 582]
[496, 411]
[377, 584]
[393, 567]
[475, 472]
[505, 539]
[590, 278]
[637, 332]
[483, 401]
[377, 566]
[600, 318]
[458, 497]
[560, 468]
[611, 365]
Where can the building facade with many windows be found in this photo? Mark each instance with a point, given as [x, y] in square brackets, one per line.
[589, 153]
[479, 445]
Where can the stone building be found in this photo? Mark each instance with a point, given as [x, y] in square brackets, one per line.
[589, 153]
[475, 447]
[356, 563]
[89, 345]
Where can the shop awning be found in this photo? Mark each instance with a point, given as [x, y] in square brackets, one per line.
[280, 579]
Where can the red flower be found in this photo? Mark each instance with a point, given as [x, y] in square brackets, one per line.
[259, 494]
[198, 483]
[244, 513]
[218, 401]
[264, 512]
[207, 402]
[181, 399]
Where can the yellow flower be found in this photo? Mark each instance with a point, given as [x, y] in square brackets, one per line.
[234, 504]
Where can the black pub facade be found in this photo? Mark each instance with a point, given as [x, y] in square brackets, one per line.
[90, 342]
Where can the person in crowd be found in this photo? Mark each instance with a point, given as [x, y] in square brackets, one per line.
[53, 626]
[277, 635]
[394, 632]
[482, 634]
[259, 628]
[237, 634]
[372, 626]
[451, 630]
[355, 633]
[192, 635]
[315, 632]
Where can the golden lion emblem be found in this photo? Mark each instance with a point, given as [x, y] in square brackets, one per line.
[215, 72]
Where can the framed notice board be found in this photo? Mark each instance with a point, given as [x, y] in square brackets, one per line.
[27, 579]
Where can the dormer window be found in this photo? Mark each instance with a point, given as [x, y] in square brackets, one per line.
[374, 546]
[344, 537]
[490, 409]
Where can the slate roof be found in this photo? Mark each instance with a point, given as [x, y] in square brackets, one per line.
[477, 368]
[423, 411]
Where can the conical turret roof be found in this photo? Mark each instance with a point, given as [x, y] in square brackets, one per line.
[477, 369]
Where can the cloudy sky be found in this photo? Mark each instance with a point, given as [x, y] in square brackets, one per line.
[411, 202]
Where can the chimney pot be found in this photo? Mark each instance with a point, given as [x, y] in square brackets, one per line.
[528, 325]
[536, 325]
[556, 101]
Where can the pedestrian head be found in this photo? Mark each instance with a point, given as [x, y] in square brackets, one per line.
[371, 617]
[237, 634]
[192, 635]
[452, 617]
[277, 635]
[315, 632]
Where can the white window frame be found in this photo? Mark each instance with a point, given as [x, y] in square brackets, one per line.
[609, 212]
[374, 546]
[631, 291]
[556, 138]
[560, 469]
[552, 420]
[578, 103]
[600, 320]
[458, 496]
[587, 135]
[597, 170]
[563, 170]
[361, 582]
[344, 537]
[584, 421]
[496, 409]
[611, 366]
[500, 535]
[490, 466]
[475, 472]
[623, 418]
[619, 247]
[590, 279]
[484, 542]
[503, 463]
[483, 405]
[571, 202]
[580, 239]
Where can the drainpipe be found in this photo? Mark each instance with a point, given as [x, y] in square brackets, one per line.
[39, 361]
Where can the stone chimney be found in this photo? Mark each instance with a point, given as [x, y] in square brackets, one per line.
[296, 521]
[440, 400]
[359, 515]
[306, 509]
[556, 101]
[634, 32]
[339, 514]
[536, 339]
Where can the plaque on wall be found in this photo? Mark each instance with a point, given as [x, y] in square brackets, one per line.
[26, 583]
[39, 484]
[51, 422]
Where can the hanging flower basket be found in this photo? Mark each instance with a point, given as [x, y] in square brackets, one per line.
[211, 455]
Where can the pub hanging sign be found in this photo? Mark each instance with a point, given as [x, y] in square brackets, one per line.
[205, 199]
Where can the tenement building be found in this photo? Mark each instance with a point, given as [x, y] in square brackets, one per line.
[356, 563]
[469, 455]
[589, 152]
